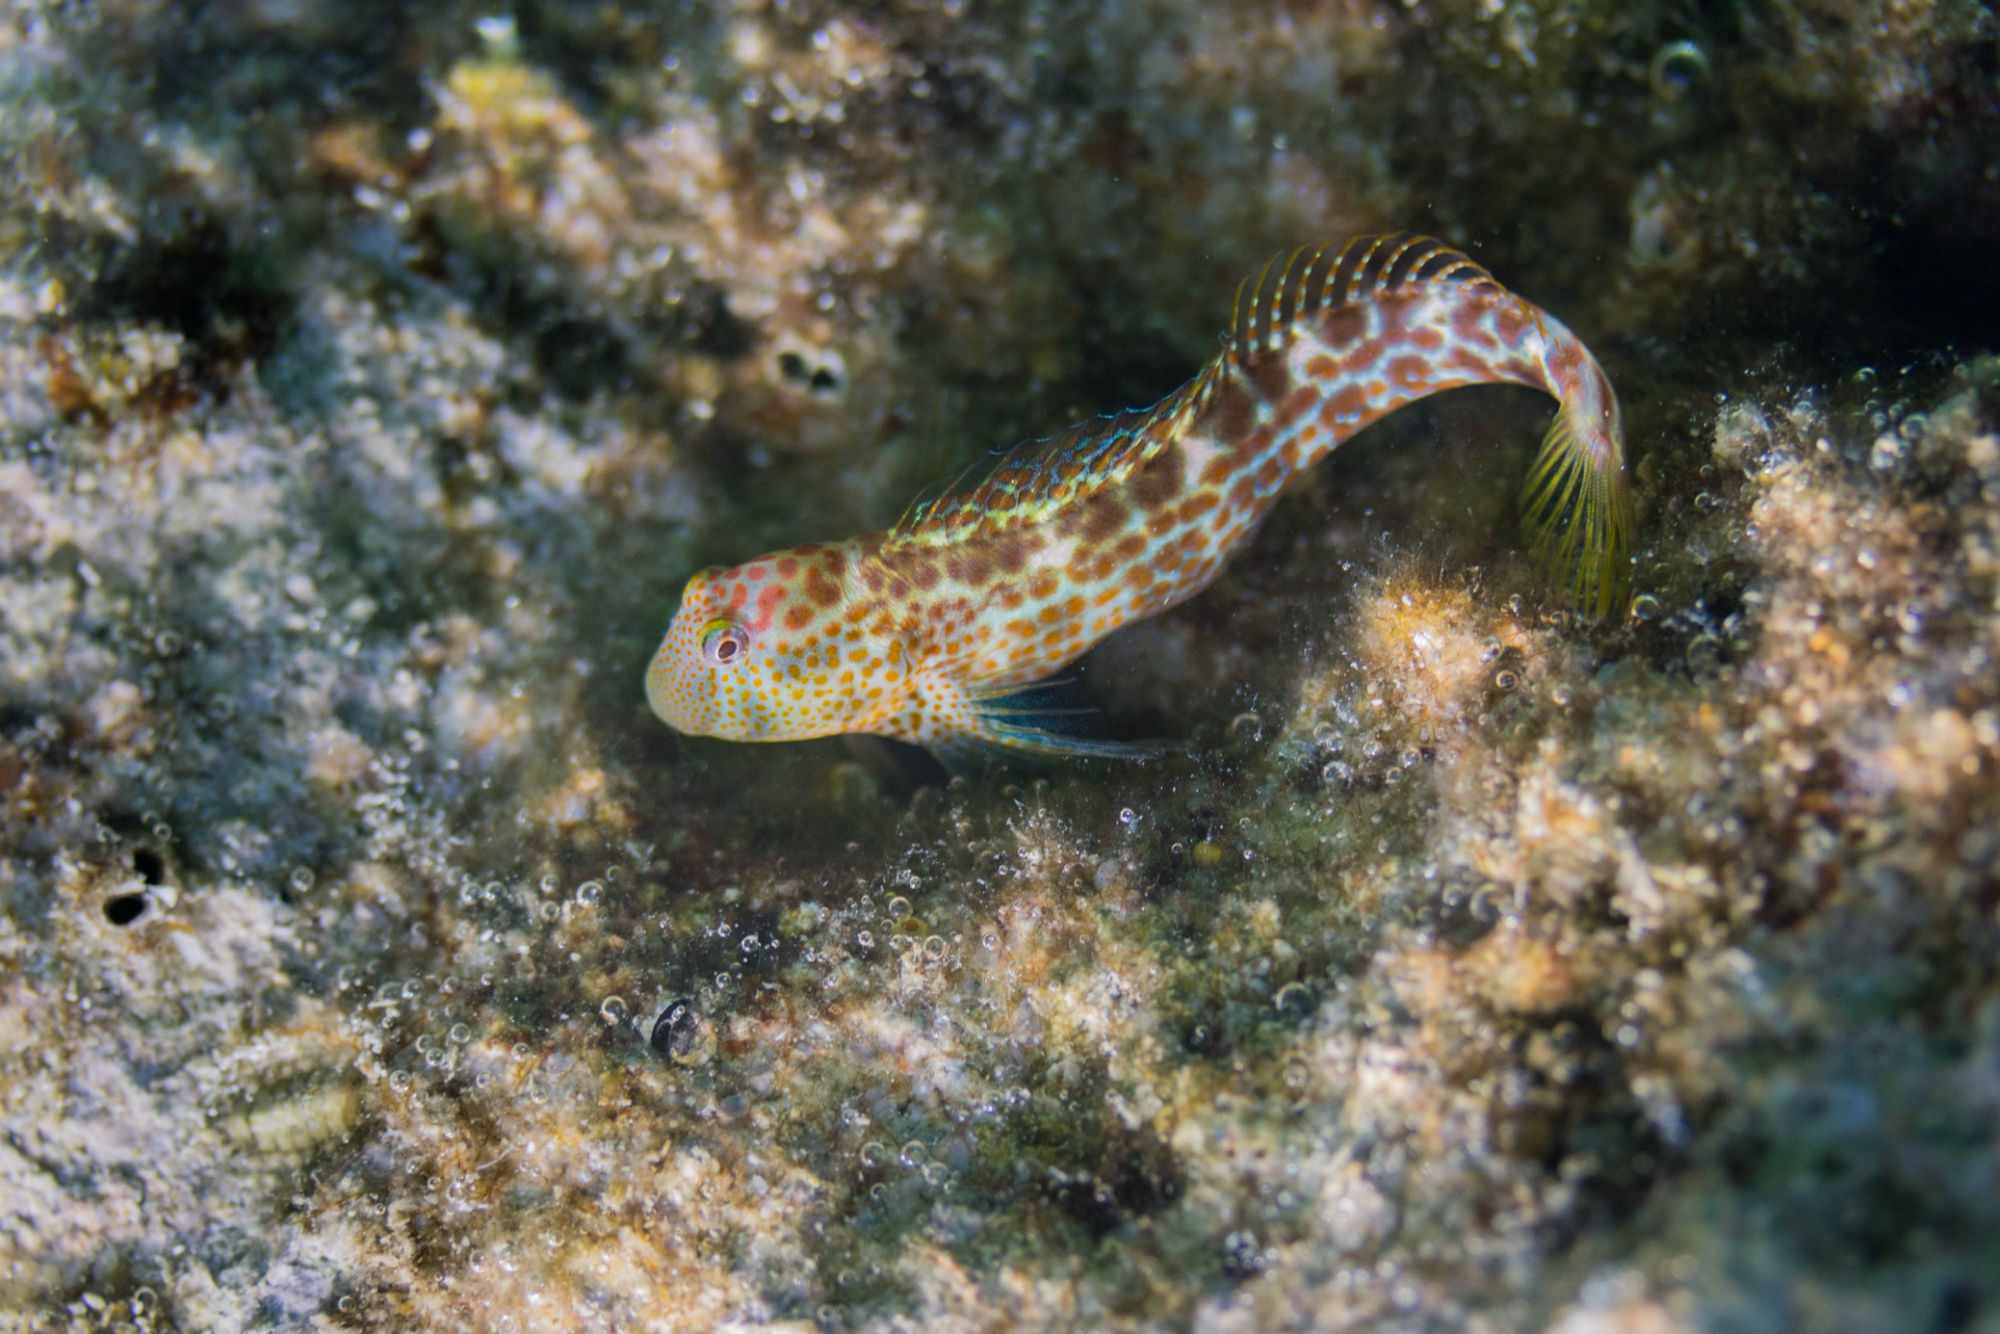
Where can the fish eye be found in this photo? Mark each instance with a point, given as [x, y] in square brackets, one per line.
[723, 643]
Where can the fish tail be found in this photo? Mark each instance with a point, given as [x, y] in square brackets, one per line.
[1577, 508]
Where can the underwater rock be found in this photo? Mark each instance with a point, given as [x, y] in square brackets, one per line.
[372, 379]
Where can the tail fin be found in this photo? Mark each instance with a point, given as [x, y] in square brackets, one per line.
[1577, 510]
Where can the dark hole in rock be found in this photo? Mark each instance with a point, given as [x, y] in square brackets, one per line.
[149, 866]
[582, 356]
[792, 366]
[124, 909]
[823, 381]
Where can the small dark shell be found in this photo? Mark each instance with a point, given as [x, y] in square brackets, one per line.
[680, 1034]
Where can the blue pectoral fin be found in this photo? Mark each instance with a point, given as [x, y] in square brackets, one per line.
[1040, 720]
[1056, 745]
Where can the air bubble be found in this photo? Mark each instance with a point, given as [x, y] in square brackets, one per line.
[897, 908]
[1645, 607]
[301, 879]
[1704, 654]
[588, 891]
[865, 939]
[749, 944]
[612, 1011]
[1127, 816]
[1678, 68]
[1293, 1001]
[1506, 679]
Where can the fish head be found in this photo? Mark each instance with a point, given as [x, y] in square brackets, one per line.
[766, 651]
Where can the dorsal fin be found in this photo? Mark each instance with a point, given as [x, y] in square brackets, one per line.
[1025, 484]
[1314, 278]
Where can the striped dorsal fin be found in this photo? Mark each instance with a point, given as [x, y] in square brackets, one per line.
[1321, 277]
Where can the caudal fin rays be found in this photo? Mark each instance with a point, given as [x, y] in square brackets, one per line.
[1577, 511]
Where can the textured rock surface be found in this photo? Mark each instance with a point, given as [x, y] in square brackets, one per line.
[371, 376]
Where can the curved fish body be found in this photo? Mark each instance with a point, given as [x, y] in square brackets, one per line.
[936, 630]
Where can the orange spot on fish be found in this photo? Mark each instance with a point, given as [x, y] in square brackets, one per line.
[1349, 403]
[1409, 372]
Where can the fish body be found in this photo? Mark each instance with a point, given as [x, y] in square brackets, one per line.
[936, 630]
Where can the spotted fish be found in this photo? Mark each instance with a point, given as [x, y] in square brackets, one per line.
[937, 630]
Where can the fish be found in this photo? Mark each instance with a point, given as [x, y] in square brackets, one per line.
[950, 629]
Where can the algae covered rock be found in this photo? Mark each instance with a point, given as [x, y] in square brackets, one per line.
[372, 377]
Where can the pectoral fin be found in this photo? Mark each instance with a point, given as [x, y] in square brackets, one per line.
[1051, 718]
